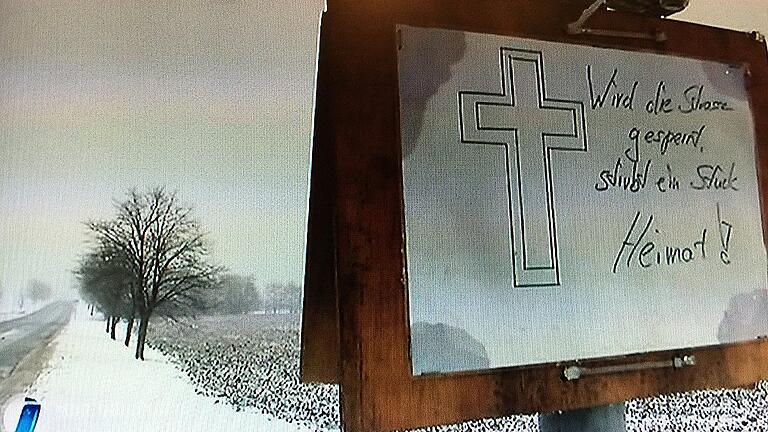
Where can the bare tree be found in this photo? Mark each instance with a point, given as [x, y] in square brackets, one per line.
[283, 296]
[235, 294]
[165, 250]
[106, 283]
[38, 291]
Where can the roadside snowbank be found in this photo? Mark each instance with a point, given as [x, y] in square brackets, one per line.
[93, 384]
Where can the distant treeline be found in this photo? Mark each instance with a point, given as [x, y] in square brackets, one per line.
[236, 294]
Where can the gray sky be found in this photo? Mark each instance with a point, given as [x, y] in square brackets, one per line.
[213, 99]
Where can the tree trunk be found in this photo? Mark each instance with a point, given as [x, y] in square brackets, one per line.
[142, 336]
[128, 332]
[129, 329]
[109, 322]
[113, 327]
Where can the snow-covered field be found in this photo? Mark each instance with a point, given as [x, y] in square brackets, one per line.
[241, 373]
[251, 361]
[93, 384]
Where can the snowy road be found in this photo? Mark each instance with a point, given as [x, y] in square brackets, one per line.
[18, 337]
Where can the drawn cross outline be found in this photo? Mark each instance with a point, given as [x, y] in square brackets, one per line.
[475, 111]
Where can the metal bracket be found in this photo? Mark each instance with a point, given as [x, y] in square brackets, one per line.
[577, 27]
[572, 373]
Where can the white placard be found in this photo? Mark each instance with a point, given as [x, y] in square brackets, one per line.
[568, 202]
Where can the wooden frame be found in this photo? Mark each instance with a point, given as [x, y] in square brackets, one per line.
[355, 327]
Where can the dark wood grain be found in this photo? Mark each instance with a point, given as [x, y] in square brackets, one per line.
[320, 352]
[361, 126]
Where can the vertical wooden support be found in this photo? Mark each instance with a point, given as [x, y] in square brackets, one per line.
[320, 353]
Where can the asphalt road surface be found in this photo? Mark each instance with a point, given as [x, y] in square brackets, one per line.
[21, 335]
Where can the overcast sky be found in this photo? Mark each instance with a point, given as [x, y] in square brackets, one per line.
[212, 98]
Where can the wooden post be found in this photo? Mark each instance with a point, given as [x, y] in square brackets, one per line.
[608, 418]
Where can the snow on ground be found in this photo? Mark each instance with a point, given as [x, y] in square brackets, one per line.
[8, 315]
[224, 373]
[93, 383]
[249, 361]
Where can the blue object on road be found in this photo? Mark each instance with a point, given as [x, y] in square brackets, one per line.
[29, 415]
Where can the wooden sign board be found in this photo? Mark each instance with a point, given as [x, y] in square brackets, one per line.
[493, 200]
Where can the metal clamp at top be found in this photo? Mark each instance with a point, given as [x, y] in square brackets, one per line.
[577, 27]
